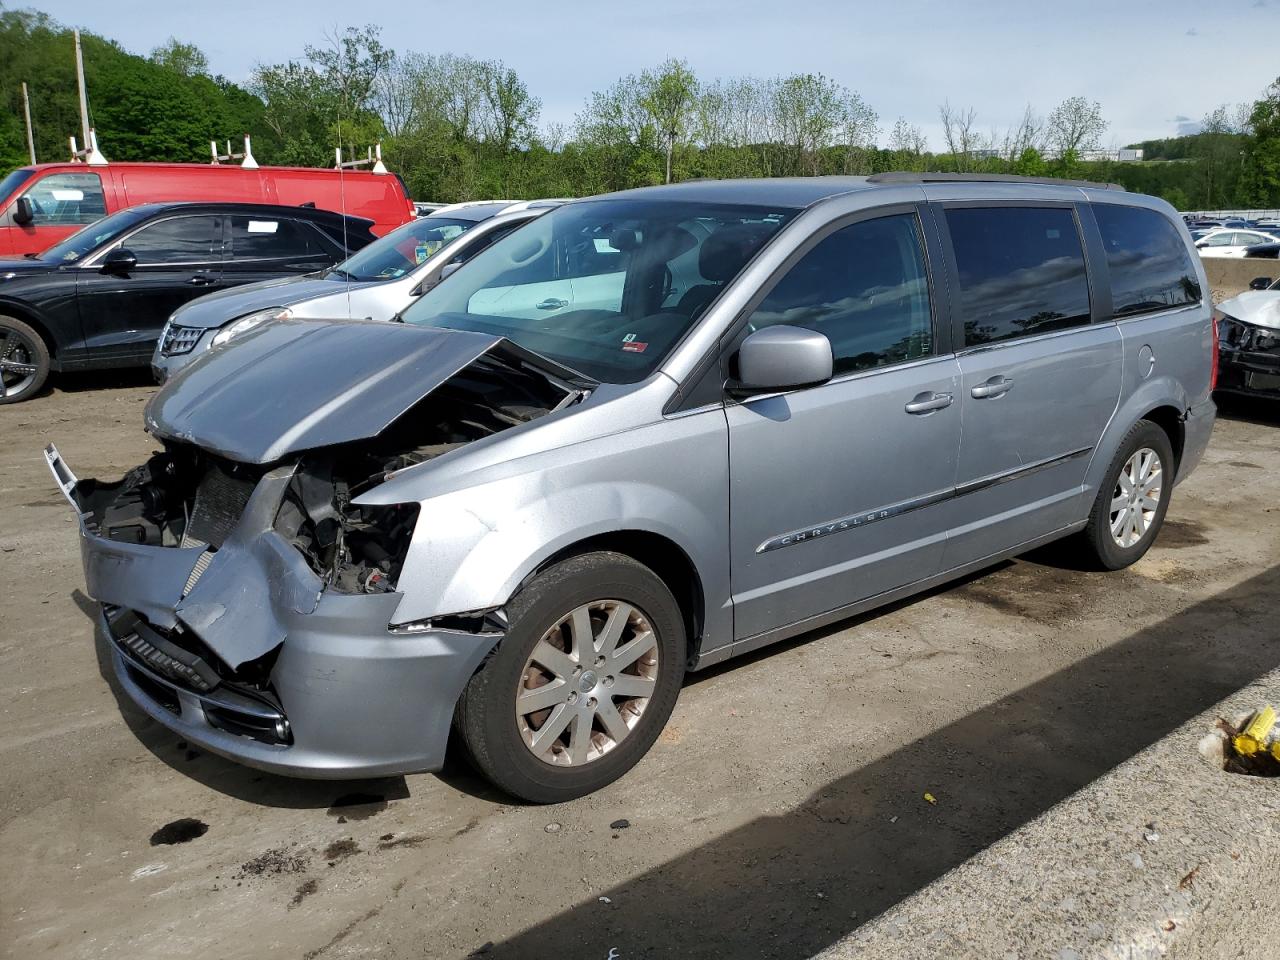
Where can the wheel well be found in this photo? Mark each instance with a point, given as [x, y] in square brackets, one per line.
[31, 320]
[1169, 419]
[665, 558]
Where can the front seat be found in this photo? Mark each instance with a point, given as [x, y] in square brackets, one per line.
[720, 258]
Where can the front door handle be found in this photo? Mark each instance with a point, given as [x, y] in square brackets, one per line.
[997, 386]
[552, 303]
[200, 280]
[928, 402]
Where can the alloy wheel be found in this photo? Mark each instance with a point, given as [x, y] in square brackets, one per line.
[17, 363]
[587, 682]
[1136, 497]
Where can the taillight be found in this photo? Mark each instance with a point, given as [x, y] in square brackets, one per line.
[1213, 357]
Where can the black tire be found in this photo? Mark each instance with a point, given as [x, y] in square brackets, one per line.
[486, 714]
[19, 343]
[1099, 544]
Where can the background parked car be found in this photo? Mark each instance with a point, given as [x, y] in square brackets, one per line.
[100, 297]
[1232, 242]
[41, 205]
[1249, 338]
[374, 284]
[1265, 251]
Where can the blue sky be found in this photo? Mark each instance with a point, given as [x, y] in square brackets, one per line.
[1154, 66]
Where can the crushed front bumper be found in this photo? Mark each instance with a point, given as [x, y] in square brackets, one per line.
[1248, 359]
[346, 696]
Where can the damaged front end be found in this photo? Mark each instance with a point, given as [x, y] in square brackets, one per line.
[1249, 357]
[248, 604]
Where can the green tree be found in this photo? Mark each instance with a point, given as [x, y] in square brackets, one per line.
[1262, 150]
[141, 109]
[184, 58]
[669, 96]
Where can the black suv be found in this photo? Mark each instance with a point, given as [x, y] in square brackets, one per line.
[100, 297]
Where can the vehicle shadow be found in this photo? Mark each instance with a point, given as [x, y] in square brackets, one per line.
[98, 380]
[788, 886]
[342, 797]
[1261, 411]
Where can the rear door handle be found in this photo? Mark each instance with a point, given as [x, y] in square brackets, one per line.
[928, 402]
[552, 303]
[997, 386]
[200, 280]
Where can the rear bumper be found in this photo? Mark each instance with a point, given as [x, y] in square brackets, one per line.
[344, 696]
[1196, 430]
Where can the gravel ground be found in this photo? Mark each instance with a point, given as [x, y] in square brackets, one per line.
[783, 807]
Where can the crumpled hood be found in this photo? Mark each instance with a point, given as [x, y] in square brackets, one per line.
[1258, 307]
[217, 309]
[296, 385]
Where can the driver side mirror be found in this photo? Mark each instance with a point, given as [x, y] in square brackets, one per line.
[781, 358]
[23, 211]
[120, 262]
[1259, 283]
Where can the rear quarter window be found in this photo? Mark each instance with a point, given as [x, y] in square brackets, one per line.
[272, 238]
[1148, 261]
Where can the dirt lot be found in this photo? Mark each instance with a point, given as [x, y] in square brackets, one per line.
[782, 808]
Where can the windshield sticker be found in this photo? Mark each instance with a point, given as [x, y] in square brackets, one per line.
[632, 345]
[263, 226]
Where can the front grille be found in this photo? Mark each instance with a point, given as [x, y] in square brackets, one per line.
[177, 340]
[220, 500]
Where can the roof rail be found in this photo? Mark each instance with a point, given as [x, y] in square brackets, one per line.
[902, 176]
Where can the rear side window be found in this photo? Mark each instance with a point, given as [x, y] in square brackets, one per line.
[1148, 260]
[272, 238]
[176, 240]
[1021, 270]
[865, 288]
[67, 199]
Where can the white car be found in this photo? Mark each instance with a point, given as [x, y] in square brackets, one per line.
[1232, 242]
[375, 283]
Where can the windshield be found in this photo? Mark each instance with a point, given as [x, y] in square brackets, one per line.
[606, 287]
[402, 250]
[12, 182]
[88, 239]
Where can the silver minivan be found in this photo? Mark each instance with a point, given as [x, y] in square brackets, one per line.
[641, 435]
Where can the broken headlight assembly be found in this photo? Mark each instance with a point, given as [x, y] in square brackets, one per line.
[243, 325]
[351, 548]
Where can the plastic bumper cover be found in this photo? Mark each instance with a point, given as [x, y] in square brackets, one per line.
[357, 699]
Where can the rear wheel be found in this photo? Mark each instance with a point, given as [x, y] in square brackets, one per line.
[583, 682]
[24, 361]
[1132, 500]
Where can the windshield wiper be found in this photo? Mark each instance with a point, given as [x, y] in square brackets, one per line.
[342, 273]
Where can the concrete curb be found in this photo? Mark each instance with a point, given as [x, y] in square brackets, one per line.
[1165, 856]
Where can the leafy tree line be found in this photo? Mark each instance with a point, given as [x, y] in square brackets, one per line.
[166, 107]
[458, 127]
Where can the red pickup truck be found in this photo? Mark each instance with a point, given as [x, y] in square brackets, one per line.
[42, 204]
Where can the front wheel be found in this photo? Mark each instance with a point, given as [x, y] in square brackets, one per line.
[1133, 498]
[583, 682]
[24, 361]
